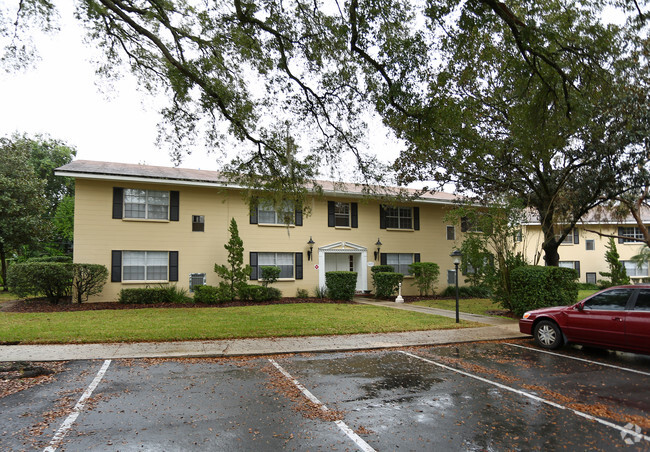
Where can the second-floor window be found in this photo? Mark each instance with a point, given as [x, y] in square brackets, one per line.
[342, 214]
[399, 218]
[634, 233]
[268, 214]
[147, 204]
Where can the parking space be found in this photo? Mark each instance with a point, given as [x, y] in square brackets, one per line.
[480, 396]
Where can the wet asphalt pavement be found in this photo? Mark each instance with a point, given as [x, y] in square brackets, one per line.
[481, 396]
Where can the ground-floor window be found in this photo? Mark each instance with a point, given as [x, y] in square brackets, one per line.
[591, 278]
[633, 269]
[451, 277]
[282, 260]
[144, 265]
[570, 264]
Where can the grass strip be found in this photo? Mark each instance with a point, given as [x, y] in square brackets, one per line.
[469, 305]
[308, 319]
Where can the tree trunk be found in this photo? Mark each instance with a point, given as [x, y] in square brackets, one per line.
[550, 245]
[3, 258]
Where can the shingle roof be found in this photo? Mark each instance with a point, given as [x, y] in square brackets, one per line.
[126, 171]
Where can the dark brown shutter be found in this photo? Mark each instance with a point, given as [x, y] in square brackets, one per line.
[331, 220]
[253, 216]
[620, 233]
[576, 236]
[416, 218]
[173, 265]
[416, 257]
[354, 214]
[118, 197]
[298, 221]
[253, 259]
[383, 259]
[298, 265]
[174, 204]
[116, 266]
[382, 217]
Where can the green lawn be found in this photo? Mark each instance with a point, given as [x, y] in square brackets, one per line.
[7, 296]
[308, 319]
[470, 305]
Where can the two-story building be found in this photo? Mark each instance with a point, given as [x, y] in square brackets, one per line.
[153, 225]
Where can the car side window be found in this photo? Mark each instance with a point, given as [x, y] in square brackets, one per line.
[643, 301]
[612, 300]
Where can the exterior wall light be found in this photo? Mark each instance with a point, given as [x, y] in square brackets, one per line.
[311, 244]
[378, 245]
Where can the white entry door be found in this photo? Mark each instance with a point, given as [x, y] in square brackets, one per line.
[344, 262]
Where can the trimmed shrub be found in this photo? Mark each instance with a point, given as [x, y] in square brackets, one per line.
[212, 294]
[538, 287]
[88, 279]
[52, 279]
[467, 292]
[269, 274]
[387, 284]
[146, 295]
[253, 292]
[302, 293]
[341, 285]
[425, 275]
[61, 259]
[379, 269]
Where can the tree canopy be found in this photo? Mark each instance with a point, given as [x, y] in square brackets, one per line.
[533, 100]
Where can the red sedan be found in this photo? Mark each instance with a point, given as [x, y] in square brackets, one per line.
[616, 318]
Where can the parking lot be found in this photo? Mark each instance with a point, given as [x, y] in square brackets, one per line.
[476, 396]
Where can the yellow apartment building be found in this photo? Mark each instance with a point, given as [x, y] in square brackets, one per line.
[151, 225]
[584, 248]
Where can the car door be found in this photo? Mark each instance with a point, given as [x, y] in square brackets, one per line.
[601, 320]
[637, 324]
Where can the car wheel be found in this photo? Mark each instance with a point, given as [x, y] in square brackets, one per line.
[548, 335]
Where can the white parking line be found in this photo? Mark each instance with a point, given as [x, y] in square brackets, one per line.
[627, 431]
[67, 424]
[342, 425]
[581, 359]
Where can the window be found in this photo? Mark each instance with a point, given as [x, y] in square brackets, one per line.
[642, 301]
[198, 223]
[467, 225]
[399, 218]
[400, 262]
[570, 264]
[196, 279]
[451, 233]
[451, 277]
[590, 244]
[146, 204]
[612, 300]
[518, 236]
[342, 214]
[633, 269]
[144, 265]
[572, 238]
[282, 260]
[266, 213]
[591, 278]
[632, 233]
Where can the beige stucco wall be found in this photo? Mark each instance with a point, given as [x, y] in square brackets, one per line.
[97, 233]
[590, 261]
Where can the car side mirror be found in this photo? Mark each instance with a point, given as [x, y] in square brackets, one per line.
[580, 306]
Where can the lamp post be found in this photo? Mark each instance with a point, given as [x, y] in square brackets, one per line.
[456, 255]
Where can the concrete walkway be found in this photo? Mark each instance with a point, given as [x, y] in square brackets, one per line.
[498, 329]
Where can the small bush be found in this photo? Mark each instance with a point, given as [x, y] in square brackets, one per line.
[302, 293]
[425, 275]
[269, 274]
[379, 269]
[59, 259]
[387, 284]
[212, 294]
[320, 292]
[467, 292]
[52, 279]
[88, 279]
[537, 287]
[160, 294]
[254, 292]
[341, 285]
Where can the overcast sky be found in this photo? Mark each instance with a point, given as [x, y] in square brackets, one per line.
[64, 98]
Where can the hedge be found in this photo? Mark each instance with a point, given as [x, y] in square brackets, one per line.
[379, 269]
[467, 292]
[341, 285]
[536, 287]
[146, 295]
[52, 279]
[387, 284]
[61, 259]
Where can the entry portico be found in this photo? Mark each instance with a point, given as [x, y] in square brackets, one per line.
[344, 256]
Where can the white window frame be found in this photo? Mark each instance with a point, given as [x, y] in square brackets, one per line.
[148, 258]
[342, 216]
[400, 267]
[265, 206]
[396, 213]
[593, 245]
[567, 264]
[568, 240]
[262, 255]
[634, 232]
[633, 270]
[148, 205]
